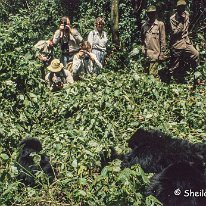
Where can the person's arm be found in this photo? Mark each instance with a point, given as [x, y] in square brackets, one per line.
[95, 60]
[77, 36]
[162, 41]
[39, 47]
[42, 57]
[162, 37]
[176, 28]
[103, 41]
[143, 36]
[57, 36]
[90, 38]
[76, 64]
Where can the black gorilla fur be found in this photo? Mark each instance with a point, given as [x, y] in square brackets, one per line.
[26, 165]
[159, 153]
[154, 151]
[181, 176]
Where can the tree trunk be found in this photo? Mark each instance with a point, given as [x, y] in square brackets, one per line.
[115, 23]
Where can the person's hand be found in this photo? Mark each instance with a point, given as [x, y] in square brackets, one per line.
[183, 17]
[44, 59]
[180, 26]
[162, 56]
[54, 77]
[67, 27]
[90, 56]
[81, 54]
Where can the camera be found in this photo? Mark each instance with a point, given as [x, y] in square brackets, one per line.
[64, 46]
[86, 55]
[57, 84]
[65, 22]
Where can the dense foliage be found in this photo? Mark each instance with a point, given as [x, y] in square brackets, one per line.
[84, 119]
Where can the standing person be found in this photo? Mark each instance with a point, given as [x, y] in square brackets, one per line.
[85, 61]
[153, 41]
[44, 54]
[181, 46]
[98, 40]
[69, 39]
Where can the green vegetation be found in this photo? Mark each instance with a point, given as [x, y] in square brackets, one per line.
[77, 123]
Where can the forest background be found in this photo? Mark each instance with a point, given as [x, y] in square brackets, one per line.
[89, 117]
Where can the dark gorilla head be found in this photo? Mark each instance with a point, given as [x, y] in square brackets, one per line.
[142, 135]
[26, 165]
[179, 178]
[30, 145]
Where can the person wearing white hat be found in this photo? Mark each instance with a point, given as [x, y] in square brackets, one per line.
[58, 76]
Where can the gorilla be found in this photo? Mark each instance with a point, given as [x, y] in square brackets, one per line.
[178, 166]
[176, 185]
[26, 165]
[154, 150]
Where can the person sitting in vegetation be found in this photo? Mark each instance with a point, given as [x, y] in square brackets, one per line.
[85, 61]
[98, 40]
[44, 52]
[69, 39]
[58, 76]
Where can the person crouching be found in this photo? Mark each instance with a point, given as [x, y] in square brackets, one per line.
[85, 61]
[58, 76]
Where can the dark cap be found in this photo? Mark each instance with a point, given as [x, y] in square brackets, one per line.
[151, 9]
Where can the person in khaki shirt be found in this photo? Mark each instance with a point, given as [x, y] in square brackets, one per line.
[181, 46]
[69, 39]
[153, 41]
[44, 52]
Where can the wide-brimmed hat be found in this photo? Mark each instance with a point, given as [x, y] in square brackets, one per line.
[55, 66]
[151, 9]
[181, 3]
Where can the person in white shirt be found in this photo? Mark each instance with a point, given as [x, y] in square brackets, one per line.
[85, 61]
[98, 40]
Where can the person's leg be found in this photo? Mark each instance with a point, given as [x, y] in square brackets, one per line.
[153, 69]
[191, 53]
[97, 53]
[174, 71]
[64, 59]
[70, 57]
[99, 58]
[102, 57]
[193, 59]
[146, 66]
